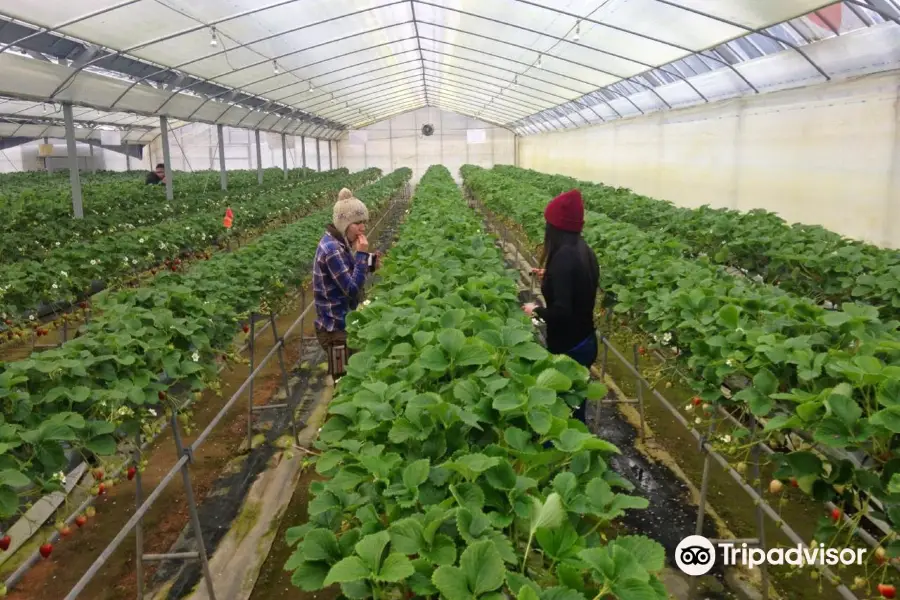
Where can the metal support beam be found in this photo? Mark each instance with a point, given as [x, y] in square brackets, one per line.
[72, 148]
[259, 169]
[330, 164]
[318, 156]
[164, 136]
[223, 175]
[284, 154]
[303, 150]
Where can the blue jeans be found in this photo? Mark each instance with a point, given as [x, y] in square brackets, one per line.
[584, 354]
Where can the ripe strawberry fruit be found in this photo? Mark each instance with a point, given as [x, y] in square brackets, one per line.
[246, 329]
[5, 541]
[98, 474]
[81, 520]
[642, 351]
[794, 482]
[46, 549]
[887, 590]
[65, 531]
[836, 515]
[696, 400]
[162, 395]
[101, 489]
[131, 473]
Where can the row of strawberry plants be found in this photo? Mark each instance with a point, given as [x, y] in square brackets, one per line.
[832, 374]
[111, 380]
[35, 222]
[805, 259]
[66, 275]
[454, 468]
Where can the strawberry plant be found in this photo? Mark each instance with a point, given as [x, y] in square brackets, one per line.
[453, 465]
[830, 375]
[112, 379]
[67, 274]
[35, 211]
[805, 259]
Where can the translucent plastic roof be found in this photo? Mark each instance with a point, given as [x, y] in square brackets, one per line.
[316, 67]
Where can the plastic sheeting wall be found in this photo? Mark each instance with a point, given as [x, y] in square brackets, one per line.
[399, 142]
[827, 154]
[25, 158]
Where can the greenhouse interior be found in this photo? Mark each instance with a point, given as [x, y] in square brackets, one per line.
[395, 299]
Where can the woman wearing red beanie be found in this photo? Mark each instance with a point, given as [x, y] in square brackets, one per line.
[569, 286]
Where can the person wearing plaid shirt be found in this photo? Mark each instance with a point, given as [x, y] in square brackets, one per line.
[339, 272]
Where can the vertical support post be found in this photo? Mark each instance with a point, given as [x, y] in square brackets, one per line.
[167, 156]
[46, 161]
[303, 150]
[93, 167]
[279, 341]
[760, 516]
[330, 164]
[259, 169]
[284, 154]
[127, 160]
[72, 150]
[223, 175]
[318, 156]
[337, 155]
[252, 343]
[192, 505]
[139, 529]
[704, 490]
[640, 387]
[516, 149]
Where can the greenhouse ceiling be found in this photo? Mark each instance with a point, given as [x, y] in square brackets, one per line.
[319, 67]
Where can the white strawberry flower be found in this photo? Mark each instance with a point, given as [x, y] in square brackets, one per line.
[93, 262]
[57, 244]
[54, 286]
[729, 362]
[726, 438]
[141, 241]
[152, 412]
[134, 261]
[698, 420]
[689, 408]
[196, 356]
[63, 273]
[60, 477]
[31, 317]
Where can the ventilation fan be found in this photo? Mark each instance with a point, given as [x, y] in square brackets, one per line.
[427, 130]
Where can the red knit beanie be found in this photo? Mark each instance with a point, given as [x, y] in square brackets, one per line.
[566, 212]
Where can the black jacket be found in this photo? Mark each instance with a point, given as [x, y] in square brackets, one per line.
[570, 290]
[152, 178]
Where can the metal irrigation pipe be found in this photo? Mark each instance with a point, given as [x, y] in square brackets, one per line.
[132, 522]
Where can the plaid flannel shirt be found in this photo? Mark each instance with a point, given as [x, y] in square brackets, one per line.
[338, 277]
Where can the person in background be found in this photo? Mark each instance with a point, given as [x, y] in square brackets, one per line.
[157, 176]
[570, 280]
[340, 267]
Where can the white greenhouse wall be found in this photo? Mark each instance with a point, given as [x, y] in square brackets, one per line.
[25, 158]
[399, 142]
[827, 154]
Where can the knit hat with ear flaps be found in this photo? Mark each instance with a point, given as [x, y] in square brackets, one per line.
[566, 212]
[348, 210]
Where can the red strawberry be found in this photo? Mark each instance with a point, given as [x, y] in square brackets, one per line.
[887, 590]
[642, 351]
[131, 472]
[98, 474]
[8, 322]
[101, 489]
[65, 531]
[81, 520]
[46, 549]
[161, 395]
[836, 515]
[794, 482]
[5, 541]
[696, 400]
[246, 329]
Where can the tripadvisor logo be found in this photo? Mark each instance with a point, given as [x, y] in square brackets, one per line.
[696, 555]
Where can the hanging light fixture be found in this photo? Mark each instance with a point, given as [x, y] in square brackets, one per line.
[213, 40]
[275, 68]
[540, 61]
[312, 88]
[577, 35]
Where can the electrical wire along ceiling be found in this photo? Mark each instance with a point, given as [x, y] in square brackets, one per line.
[318, 67]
